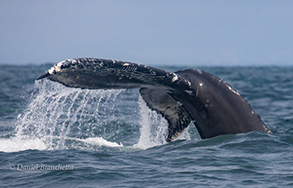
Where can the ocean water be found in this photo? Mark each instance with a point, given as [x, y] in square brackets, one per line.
[53, 136]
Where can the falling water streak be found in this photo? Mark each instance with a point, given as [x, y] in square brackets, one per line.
[69, 121]
[82, 114]
[41, 117]
[81, 109]
[96, 112]
[25, 120]
[144, 140]
[153, 128]
[58, 113]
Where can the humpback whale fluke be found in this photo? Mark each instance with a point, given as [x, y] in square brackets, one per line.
[181, 97]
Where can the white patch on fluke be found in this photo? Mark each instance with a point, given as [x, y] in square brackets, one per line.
[126, 64]
[189, 92]
[199, 71]
[231, 89]
[58, 67]
[60, 64]
[175, 77]
[51, 70]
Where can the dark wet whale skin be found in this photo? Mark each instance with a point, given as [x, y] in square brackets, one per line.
[181, 97]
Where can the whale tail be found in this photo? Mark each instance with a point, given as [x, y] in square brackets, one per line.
[181, 98]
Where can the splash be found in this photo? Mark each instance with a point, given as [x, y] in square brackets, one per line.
[65, 118]
[153, 129]
[57, 113]
[16, 144]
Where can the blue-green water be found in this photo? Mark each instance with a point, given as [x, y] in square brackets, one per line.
[53, 136]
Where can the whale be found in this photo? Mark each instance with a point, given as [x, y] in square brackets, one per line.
[182, 97]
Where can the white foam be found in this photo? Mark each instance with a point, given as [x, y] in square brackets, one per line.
[99, 141]
[24, 143]
[20, 144]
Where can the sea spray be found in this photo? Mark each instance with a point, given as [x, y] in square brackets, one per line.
[153, 129]
[57, 113]
[59, 117]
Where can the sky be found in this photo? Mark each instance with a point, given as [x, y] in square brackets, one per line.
[161, 32]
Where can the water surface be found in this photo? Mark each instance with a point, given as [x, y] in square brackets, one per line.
[53, 136]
